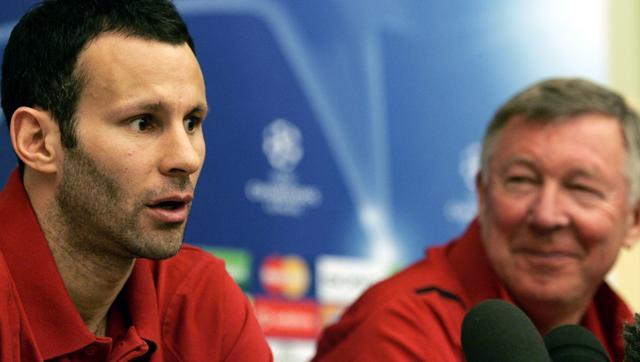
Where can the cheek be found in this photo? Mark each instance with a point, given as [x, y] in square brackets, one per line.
[500, 219]
[600, 225]
[601, 237]
[505, 213]
[123, 168]
[600, 259]
[118, 165]
[115, 156]
[502, 222]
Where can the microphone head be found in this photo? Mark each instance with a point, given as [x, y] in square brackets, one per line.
[573, 343]
[495, 330]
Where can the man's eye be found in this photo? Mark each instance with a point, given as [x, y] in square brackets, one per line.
[140, 124]
[520, 180]
[520, 183]
[586, 190]
[191, 124]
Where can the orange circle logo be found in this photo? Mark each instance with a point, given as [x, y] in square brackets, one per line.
[286, 275]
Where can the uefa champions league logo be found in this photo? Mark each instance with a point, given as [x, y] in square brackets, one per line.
[282, 144]
[281, 194]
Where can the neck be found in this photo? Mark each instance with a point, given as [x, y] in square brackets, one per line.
[548, 315]
[92, 277]
[92, 281]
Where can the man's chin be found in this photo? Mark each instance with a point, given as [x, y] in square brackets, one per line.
[159, 244]
[159, 253]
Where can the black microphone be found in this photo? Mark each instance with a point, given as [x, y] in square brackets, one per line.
[495, 330]
[574, 343]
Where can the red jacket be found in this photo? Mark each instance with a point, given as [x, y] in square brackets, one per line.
[416, 315]
[184, 308]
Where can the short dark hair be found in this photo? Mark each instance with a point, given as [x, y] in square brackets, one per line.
[40, 58]
[559, 99]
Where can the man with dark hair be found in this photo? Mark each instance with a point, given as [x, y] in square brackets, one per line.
[105, 101]
[558, 197]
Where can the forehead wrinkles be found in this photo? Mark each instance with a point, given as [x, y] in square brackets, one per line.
[590, 148]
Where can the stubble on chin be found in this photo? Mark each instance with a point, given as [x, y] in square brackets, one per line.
[98, 217]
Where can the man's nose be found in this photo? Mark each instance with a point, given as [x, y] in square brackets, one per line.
[183, 153]
[548, 209]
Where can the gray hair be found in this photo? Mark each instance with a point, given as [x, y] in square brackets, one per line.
[556, 100]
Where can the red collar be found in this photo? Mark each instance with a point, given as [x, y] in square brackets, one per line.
[472, 266]
[54, 319]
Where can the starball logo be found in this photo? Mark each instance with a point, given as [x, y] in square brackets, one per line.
[282, 144]
[281, 193]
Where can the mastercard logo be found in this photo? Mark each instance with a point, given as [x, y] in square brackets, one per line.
[285, 275]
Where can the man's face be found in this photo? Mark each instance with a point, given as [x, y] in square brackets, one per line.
[127, 187]
[555, 210]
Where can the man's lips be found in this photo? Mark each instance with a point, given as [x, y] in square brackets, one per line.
[174, 198]
[170, 209]
[550, 253]
[549, 256]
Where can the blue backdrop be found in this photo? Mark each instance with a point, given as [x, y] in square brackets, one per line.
[350, 129]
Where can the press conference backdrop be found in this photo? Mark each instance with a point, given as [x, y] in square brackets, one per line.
[343, 135]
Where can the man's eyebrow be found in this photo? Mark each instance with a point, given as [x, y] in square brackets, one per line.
[157, 106]
[150, 107]
[199, 109]
[518, 161]
[129, 107]
[581, 171]
[588, 173]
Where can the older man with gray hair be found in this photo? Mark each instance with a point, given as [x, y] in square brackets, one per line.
[558, 196]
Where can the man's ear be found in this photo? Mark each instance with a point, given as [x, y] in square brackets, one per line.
[35, 136]
[633, 234]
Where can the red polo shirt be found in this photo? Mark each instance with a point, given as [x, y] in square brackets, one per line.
[416, 315]
[184, 308]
